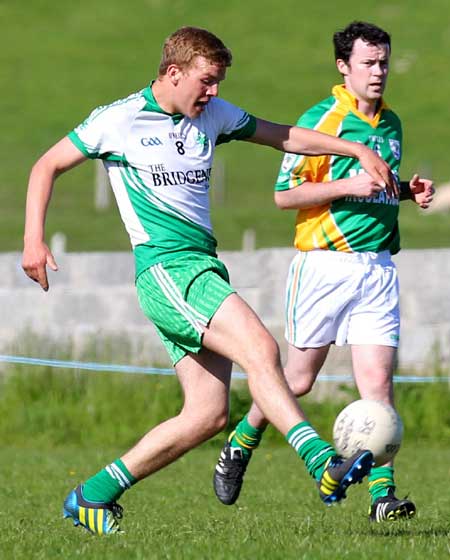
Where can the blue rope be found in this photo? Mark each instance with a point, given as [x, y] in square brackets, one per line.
[117, 368]
[93, 366]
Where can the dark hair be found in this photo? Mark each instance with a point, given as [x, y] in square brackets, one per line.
[186, 43]
[343, 40]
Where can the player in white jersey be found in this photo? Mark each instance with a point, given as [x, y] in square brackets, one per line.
[158, 146]
[159, 165]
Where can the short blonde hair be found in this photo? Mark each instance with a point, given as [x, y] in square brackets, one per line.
[186, 43]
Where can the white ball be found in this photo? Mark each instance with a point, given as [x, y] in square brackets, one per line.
[368, 424]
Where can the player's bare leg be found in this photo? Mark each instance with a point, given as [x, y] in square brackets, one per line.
[236, 332]
[373, 367]
[205, 379]
[301, 370]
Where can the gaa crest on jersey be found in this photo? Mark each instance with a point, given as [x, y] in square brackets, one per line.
[288, 162]
[202, 139]
[151, 141]
[395, 148]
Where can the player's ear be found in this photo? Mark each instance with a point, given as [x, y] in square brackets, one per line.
[342, 66]
[174, 72]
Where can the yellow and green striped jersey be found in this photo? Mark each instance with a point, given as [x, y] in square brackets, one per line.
[352, 223]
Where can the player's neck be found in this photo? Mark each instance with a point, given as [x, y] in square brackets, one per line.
[162, 95]
[368, 108]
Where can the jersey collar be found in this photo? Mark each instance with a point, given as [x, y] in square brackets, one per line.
[341, 93]
[152, 105]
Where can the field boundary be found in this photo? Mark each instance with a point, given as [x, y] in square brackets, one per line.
[130, 369]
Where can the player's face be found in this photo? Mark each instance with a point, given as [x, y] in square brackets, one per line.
[196, 85]
[366, 72]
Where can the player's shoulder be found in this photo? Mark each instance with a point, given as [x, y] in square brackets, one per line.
[312, 116]
[118, 110]
[218, 106]
[223, 115]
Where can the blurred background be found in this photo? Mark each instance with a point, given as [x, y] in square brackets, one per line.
[59, 60]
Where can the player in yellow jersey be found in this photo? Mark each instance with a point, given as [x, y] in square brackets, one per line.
[158, 146]
[342, 286]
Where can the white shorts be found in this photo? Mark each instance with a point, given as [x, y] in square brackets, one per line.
[345, 298]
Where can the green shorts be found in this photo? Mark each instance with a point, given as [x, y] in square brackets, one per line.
[180, 297]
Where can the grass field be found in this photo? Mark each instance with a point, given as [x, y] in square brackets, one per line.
[60, 61]
[175, 515]
[58, 427]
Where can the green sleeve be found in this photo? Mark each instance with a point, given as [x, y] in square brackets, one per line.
[243, 133]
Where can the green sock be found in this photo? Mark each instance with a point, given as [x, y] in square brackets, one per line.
[108, 484]
[381, 479]
[314, 451]
[246, 437]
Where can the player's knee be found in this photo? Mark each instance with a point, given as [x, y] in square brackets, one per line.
[376, 385]
[300, 383]
[218, 421]
[214, 427]
[267, 354]
[211, 421]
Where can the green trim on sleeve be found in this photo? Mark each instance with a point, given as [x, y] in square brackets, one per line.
[285, 176]
[243, 133]
[75, 139]
[73, 136]
[111, 157]
[249, 129]
[284, 186]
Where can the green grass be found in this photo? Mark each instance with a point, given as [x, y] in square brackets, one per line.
[175, 515]
[58, 427]
[39, 404]
[61, 60]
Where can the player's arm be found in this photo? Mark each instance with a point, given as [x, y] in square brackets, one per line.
[419, 190]
[36, 254]
[310, 194]
[299, 140]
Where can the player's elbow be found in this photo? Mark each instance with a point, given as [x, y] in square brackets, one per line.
[281, 201]
[44, 167]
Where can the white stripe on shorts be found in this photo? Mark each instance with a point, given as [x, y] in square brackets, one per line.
[170, 283]
[292, 293]
[173, 294]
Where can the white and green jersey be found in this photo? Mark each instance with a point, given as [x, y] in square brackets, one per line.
[159, 166]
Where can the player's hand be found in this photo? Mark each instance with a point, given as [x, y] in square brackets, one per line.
[422, 191]
[379, 170]
[362, 185]
[36, 257]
